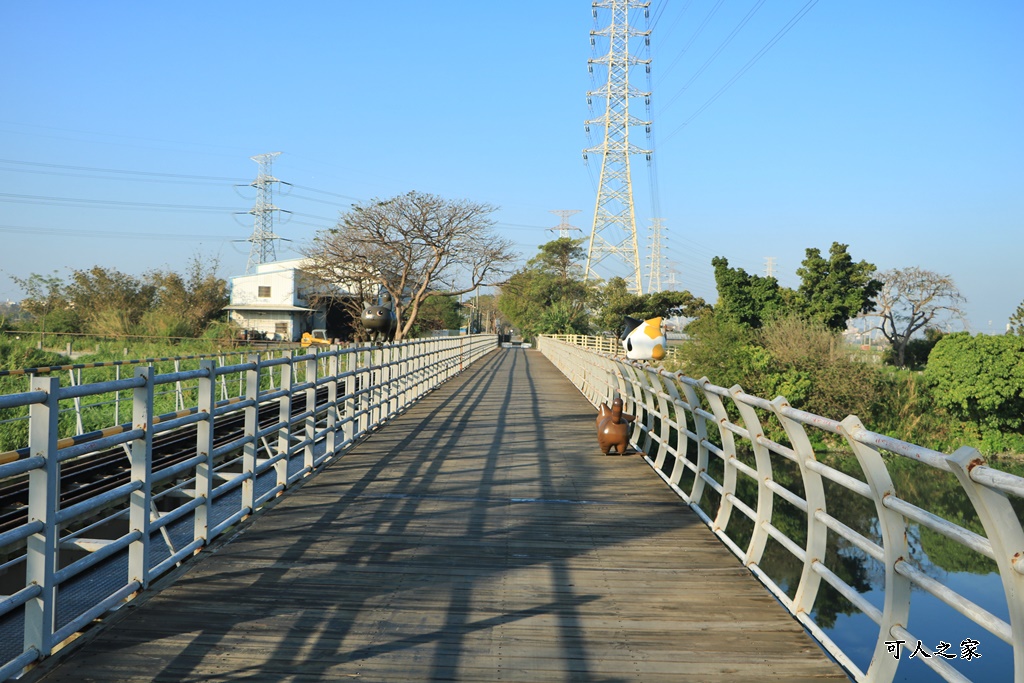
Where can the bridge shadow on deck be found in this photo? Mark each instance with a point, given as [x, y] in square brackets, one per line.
[480, 536]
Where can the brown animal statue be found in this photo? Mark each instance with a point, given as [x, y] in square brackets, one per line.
[613, 428]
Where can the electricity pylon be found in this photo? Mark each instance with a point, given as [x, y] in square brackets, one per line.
[262, 249]
[614, 231]
[654, 273]
[563, 228]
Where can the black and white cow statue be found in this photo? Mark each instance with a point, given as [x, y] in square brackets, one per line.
[380, 321]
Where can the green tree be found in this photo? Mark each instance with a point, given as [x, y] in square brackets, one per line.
[615, 302]
[548, 296]
[439, 313]
[835, 289]
[980, 379]
[724, 351]
[106, 302]
[488, 313]
[193, 299]
[111, 303]
[746, 299]
[46, 300]
[562, 257]
[1016, 325]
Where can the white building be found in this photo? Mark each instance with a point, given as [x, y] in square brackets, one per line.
[274, 301]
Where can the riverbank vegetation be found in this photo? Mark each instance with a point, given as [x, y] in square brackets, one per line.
[928, 387]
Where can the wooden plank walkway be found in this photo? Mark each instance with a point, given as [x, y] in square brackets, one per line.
[481, 536]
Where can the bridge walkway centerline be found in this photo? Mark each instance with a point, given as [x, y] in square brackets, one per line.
[480, 536]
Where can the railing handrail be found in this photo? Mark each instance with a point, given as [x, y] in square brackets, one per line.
[667, 403]
[347, 392]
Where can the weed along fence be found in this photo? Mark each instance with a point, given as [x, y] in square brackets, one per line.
[106, 409]
[91, 517]
[727, 454]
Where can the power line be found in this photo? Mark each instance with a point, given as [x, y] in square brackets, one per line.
[333, 194]
[746, 67]
[68, 174]
[107, 203]
[113, 234]
[686, 46]
[714, 55]
[312, 199]
[661, 11]
[119, 171]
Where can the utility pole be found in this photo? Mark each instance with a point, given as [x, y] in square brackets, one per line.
[654, 273]
[614, 231]
[769, 266]
[262, 249]
[563, 228]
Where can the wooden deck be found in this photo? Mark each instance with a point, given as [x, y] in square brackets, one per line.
[479, 537]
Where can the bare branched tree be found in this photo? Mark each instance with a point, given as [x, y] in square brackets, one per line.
[348, 295]
[413, 246]
[913, 299]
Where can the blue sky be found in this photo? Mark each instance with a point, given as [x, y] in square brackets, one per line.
[894, 127]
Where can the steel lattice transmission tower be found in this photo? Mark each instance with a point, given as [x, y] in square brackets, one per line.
[614, 231]
[564, 227]
[262, 249]
[654, 273]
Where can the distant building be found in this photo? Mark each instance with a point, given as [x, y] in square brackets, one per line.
[275, 301]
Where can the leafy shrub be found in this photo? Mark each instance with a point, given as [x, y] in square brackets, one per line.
[980, 379]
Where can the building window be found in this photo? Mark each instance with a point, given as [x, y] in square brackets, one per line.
[264, 291]
[280, 328]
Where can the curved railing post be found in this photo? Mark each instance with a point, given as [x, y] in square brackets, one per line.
[635, 402]
[620, 386]
[814, 494]
[896, 608]
[721, 520]
[663, 397]
[700, 426]
[1003, 528]
[763, 461]
[609, 382]
[682, 442]
[646, 380]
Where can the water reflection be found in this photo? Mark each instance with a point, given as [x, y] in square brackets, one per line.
[969, 573]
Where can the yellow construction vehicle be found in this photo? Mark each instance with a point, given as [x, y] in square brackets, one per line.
[314, 338]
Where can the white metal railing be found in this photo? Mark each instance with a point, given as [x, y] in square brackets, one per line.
[683, 424]
[610, 345]
[90, 412]
[346, 393]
